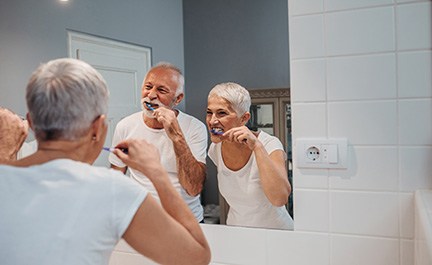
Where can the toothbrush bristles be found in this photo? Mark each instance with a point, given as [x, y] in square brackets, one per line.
[149, 106]
[216, 132]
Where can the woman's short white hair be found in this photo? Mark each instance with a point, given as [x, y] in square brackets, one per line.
[64, 97]
[235, 94]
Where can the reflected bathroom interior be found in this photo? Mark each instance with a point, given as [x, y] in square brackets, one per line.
[271, 113]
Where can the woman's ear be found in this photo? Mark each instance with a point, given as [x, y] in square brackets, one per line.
[99, 128]
[29, 121]
[245, 118]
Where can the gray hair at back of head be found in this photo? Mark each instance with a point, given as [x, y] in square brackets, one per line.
[235, 94]
[64, 97]
[170, 66]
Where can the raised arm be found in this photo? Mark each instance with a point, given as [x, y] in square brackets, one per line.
[272, 169]
[167, 234]
[191, 172]
[13, 132]
[273, 175]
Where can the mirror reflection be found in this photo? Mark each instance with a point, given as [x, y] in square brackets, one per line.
[271, 112]
[215, 41]
[245, 46]
[251, 163]
[262, 118]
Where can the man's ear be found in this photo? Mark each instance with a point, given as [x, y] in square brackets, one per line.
[98, 127]
[179, 98]
[245, 118]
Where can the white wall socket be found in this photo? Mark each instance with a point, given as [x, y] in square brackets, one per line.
[322, 152]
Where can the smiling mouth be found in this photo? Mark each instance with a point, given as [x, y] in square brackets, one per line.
[217, 131]
[150, 105]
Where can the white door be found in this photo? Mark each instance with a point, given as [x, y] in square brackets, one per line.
[123, 66]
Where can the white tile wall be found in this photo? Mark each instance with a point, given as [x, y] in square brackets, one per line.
[306, 7]
[360, 31]
[309, 120]
[414, 26]
[364, 213]
[423, 232]
[416, 83]
[332, 5]
[299, 248]
[310, 77]
[406, 213]
[364, 122]
[311, 178]
[415, 168]
[241, 247]
[307, 37]
[309, 206]
[381, 174]
[378, 89]
[356, 250]
[407, 252]
[362, 77]
[415, 123]
[407, 1]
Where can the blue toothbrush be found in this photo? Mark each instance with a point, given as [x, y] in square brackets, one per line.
[110, 149]
[149, 106]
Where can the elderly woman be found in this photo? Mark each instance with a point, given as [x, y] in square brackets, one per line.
[56, 208]
[251, 167]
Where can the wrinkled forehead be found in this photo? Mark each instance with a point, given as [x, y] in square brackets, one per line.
[163, 76]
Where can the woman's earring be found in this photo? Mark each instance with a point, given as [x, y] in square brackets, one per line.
[94, 138]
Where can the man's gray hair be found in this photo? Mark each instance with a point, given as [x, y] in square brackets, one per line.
[170, 66]
[238, 97]
[64, 97]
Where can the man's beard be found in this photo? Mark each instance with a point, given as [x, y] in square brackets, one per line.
[149, 113]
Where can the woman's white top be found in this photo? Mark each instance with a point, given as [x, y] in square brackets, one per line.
[243, 191]
[64, 212]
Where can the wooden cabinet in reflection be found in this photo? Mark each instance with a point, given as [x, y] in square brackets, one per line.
[270, 112]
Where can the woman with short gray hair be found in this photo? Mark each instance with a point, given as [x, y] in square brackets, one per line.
[252, 176]
[59, 209]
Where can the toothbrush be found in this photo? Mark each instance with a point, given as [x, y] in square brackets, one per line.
[110, 149]
[149, 106]
[213, 131]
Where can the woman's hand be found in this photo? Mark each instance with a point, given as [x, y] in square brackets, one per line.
[142, 156]
[13, 132]
[241, 135]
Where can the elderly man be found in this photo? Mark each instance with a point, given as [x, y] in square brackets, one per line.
[180, 138]
[13, 132]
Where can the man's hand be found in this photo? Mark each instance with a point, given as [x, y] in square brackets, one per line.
[168, 119]
[13, 132]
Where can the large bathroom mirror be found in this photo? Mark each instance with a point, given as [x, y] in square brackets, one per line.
[213, 41]
[244, 42]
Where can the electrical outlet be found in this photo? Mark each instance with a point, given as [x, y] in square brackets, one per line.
[322, 153]
[313, 154]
